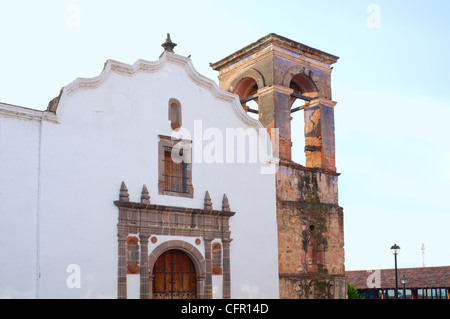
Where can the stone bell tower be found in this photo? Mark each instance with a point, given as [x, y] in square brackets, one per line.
[275, 72]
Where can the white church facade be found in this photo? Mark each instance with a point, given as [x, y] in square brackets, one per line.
[150, 181]
[93, 206]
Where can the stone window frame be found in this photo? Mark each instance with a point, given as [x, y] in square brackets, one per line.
[186, 145]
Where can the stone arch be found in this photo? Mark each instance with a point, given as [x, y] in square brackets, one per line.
[257, 76]
[303, 78]
[194, 254]
[246, 87]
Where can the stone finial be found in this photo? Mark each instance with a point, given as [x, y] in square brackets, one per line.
[124, 196]
[168, 45]
[145, 197]
[225, 204]
[207, 203]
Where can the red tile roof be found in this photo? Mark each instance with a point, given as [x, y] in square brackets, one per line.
[421, 277]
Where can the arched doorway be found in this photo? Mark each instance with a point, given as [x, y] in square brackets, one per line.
[174, 276]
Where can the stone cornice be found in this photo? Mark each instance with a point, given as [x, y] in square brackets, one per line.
[276, 87]
[305, 204]
[164, 208]
[275, 40]
[288, 163]
[20, 112]
[323, 101]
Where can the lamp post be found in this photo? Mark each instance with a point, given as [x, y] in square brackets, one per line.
[395, 250]
[403, 280]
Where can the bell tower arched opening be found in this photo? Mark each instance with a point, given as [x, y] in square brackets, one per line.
[286, 70]
[298, 131]
[304, 91]
[246, 89]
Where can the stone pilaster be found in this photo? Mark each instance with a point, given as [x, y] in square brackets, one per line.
[122, 267]
[274, 107]
[208, 274]
[226, 286]
[144, 274]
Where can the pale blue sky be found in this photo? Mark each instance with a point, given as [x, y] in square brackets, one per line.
[391, 85]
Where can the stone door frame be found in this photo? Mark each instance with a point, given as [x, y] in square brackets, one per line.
[146, 219]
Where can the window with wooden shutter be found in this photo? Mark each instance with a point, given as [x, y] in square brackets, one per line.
[175, 167]
[174, 173]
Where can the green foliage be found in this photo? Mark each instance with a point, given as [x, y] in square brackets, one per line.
[352, 292]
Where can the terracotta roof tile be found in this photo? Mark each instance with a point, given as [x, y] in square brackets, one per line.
[421, 277]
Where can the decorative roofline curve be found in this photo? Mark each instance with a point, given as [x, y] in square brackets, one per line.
[151, 67]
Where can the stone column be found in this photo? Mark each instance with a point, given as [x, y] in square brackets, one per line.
[226, 286]
[208, 275]
[144, 274]
[319, 135]
[122, 267]
[275, 112]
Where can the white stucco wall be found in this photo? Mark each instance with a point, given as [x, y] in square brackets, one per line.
[19, 140]
[108, 133]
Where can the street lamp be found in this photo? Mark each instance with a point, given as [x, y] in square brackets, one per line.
[395, 250]
[403, 280]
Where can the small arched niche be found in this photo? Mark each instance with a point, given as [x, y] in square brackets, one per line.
[216, 259]
[175, 114]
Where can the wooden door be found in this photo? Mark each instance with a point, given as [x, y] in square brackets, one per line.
[174, 276]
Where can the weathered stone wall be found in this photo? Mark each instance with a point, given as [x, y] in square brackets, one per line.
[301, 184]
[310, 232]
